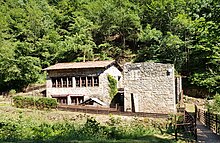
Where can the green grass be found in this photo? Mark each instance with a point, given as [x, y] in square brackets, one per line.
[27, 125]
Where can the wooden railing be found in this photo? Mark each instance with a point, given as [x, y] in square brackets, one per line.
[211, 120]
[188, 125]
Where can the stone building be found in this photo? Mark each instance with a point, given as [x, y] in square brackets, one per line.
[149, 87]
[143, 87]
[73, 83]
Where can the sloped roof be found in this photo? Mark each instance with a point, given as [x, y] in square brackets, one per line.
[78, 65]
[94, 100]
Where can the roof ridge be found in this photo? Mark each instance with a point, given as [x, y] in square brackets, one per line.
[75, 65]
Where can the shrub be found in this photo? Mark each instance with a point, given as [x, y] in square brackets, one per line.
[28, 102]
[31, 102]
[214, 106]
[48, 103]
[112, 86]
[12, 92]
[18, 101]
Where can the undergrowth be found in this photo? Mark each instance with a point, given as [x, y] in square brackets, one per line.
[80, 128]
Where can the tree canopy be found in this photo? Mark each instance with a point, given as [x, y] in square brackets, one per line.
[35, 34]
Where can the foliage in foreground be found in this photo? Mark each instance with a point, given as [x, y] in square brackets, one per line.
[23, 129]
[34, 102]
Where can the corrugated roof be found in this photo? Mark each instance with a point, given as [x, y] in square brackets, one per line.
[77, 65]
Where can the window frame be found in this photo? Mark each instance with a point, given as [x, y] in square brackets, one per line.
[96, 81]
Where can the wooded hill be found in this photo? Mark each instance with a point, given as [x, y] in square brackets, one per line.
[37, 33]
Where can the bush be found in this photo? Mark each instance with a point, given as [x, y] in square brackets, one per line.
[214, 106]
[28, 102]
[48, 103]
[18, 101]
[12, 92]
[113, 90]
[31, 102]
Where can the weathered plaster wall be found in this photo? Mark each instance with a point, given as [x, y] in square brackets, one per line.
[152, 86]
[100, 92]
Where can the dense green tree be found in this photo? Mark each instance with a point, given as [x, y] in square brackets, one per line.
[35, 34]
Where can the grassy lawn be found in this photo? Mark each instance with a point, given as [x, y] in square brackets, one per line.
[27, 125]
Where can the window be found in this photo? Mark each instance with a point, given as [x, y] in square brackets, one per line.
[64, 82]
[70, 83]
[87, 81]
[53, 82]
[96, 81]
[83, 80]
[77, 82]
[59, 82]
[62, 100]
[119, 77]
[76, 100]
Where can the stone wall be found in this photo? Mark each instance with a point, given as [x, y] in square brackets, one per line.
[149, 87]
[100, 91]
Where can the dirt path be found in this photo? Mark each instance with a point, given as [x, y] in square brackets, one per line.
[205, 135]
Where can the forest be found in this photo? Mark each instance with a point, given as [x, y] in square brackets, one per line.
[36, 34]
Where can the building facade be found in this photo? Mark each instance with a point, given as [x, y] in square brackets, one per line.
[73, 83]
[149, 87]
[143, 87]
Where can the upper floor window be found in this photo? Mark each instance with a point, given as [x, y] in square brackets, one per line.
[96, 81]
[70, 82]
[53, 82]
[62, 82]
[83, 82]
[59, 84]
[88, 81]
[77, 81]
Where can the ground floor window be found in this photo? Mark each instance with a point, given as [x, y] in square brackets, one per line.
[62, 100]
[75, 100]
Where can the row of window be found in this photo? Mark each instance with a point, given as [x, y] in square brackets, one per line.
[74, 100]
[89, 81]
[62, 82]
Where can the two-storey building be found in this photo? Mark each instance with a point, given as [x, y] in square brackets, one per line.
[72, 83]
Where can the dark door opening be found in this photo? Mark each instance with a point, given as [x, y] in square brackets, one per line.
[118, 102]
[132, 103]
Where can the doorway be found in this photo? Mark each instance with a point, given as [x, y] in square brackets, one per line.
[132, 103]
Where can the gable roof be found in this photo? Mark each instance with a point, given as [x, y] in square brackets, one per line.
[94, 100]
[81, 65]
